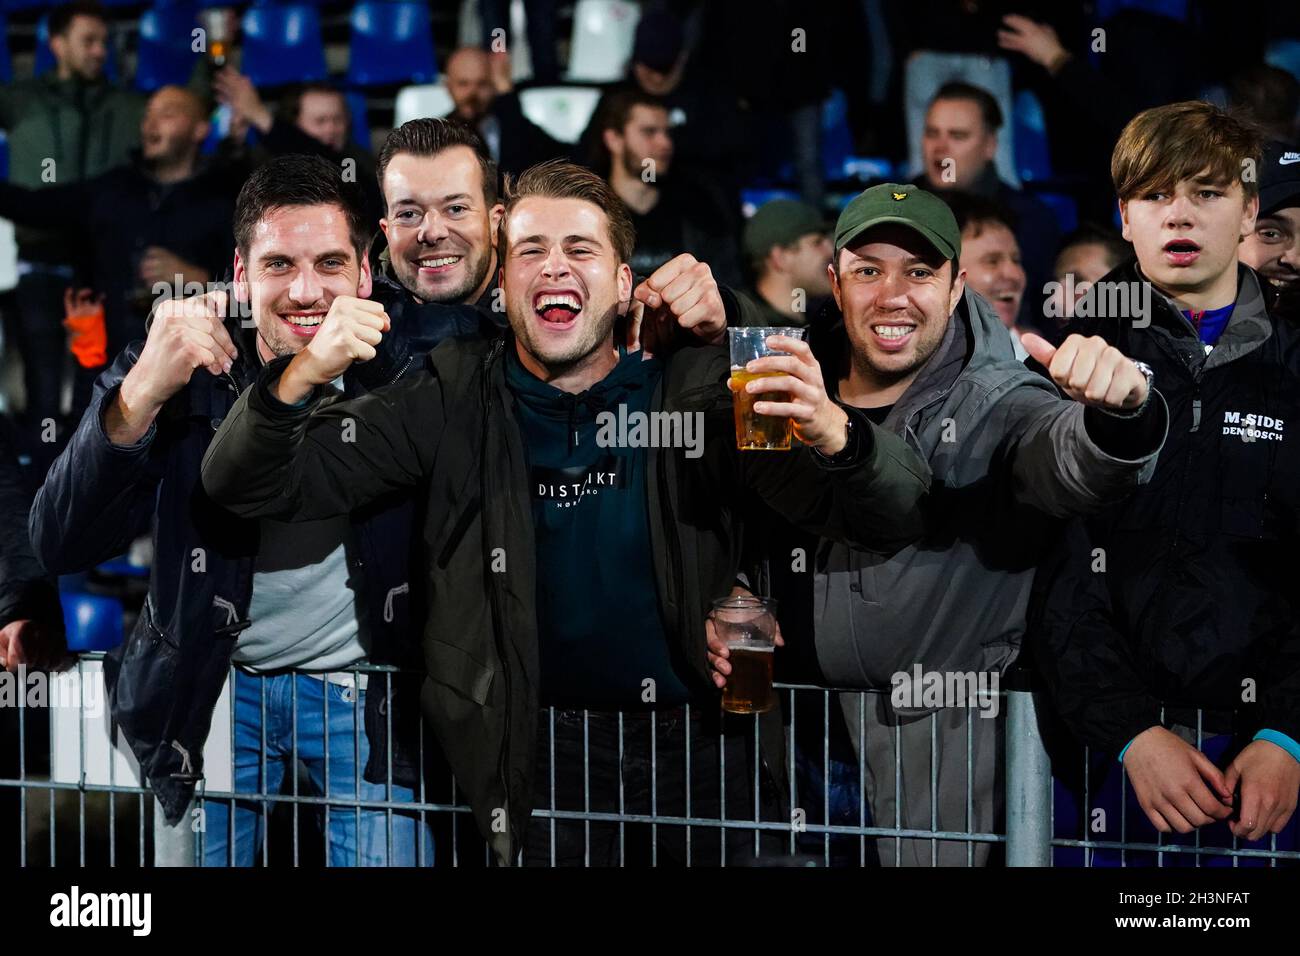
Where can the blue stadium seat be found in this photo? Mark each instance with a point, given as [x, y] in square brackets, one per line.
[1174, 9]
[358, 110]
[165, 54]
[1285, 55]
[391, 43]
[44, 57]
[282, 44]
[837, 142]
[1064, 207]
[1029, 134]
[753, 198]
[93, 621]
[12, 6]
[6, 64]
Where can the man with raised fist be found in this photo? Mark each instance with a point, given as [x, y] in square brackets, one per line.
[563, 568]
[1179, 653]
[921, 355]
[287, 606]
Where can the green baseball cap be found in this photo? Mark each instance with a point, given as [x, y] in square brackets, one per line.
[905, 205]
[781, 222]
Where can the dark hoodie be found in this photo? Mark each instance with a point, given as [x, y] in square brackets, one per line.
[600, 632]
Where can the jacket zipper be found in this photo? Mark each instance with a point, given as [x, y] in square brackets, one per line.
[402, 370]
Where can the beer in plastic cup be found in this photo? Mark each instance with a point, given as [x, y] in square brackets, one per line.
[756, 432]
[747, 625]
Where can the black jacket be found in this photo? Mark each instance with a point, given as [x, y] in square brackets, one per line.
[164, 680]
[1184, 594]
[523, 143]
[27, 592]
[117, 215]
[452, 431]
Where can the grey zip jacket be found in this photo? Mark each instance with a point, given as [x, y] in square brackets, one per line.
[1009, 455]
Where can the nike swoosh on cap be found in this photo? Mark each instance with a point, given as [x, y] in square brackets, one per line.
[1286, 159]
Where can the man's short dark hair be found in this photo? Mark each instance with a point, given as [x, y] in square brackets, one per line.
[560, 179]
[429, 137]
[298, 180]
[613, 113]
[290, 104]
[990, 112]
[61, 17]
[976, 212]
[1092, 234]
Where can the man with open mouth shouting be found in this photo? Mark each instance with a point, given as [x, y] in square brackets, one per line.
[589, 600]
[1183, 658]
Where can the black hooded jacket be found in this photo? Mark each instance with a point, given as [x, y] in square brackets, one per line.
[1184, 594]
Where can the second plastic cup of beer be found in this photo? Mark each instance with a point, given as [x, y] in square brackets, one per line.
[747, 625]
[756, 432]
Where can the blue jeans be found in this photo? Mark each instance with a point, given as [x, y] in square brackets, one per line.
[334, 762]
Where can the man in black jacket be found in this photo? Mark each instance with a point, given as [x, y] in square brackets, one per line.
[567, 564]
[1167, 626]
[150, 227]
[290, 606]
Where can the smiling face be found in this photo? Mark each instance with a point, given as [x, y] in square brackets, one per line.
[896, 294]
[439, 226]
[299, 260]
[563, 281]
[991, 256]
[954, 129]
[1186, 238]
[1273, 249]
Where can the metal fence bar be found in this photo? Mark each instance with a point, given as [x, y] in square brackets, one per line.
[1029, 785]
[1028, 834]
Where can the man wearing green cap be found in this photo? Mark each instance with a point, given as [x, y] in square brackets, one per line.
[788, 246]
[927, 358]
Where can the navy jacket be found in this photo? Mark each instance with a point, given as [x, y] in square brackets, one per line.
[164, 680]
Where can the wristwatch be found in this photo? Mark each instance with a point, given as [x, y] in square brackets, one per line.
[1150, 374]
[850, 449]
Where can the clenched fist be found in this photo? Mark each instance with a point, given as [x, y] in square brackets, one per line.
[184, 335]
[682, 292]
[1089, 370]
[349, 333]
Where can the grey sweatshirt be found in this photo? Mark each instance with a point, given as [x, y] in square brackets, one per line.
[1008, 456]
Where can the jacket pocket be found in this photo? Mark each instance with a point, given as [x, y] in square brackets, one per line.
[458, 671]
[143, 690]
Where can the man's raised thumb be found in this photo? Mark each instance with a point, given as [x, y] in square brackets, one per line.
[1039, 349]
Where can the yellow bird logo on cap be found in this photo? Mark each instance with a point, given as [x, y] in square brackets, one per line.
[898, 197]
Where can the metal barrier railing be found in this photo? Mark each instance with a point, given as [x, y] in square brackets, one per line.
[841, 780]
